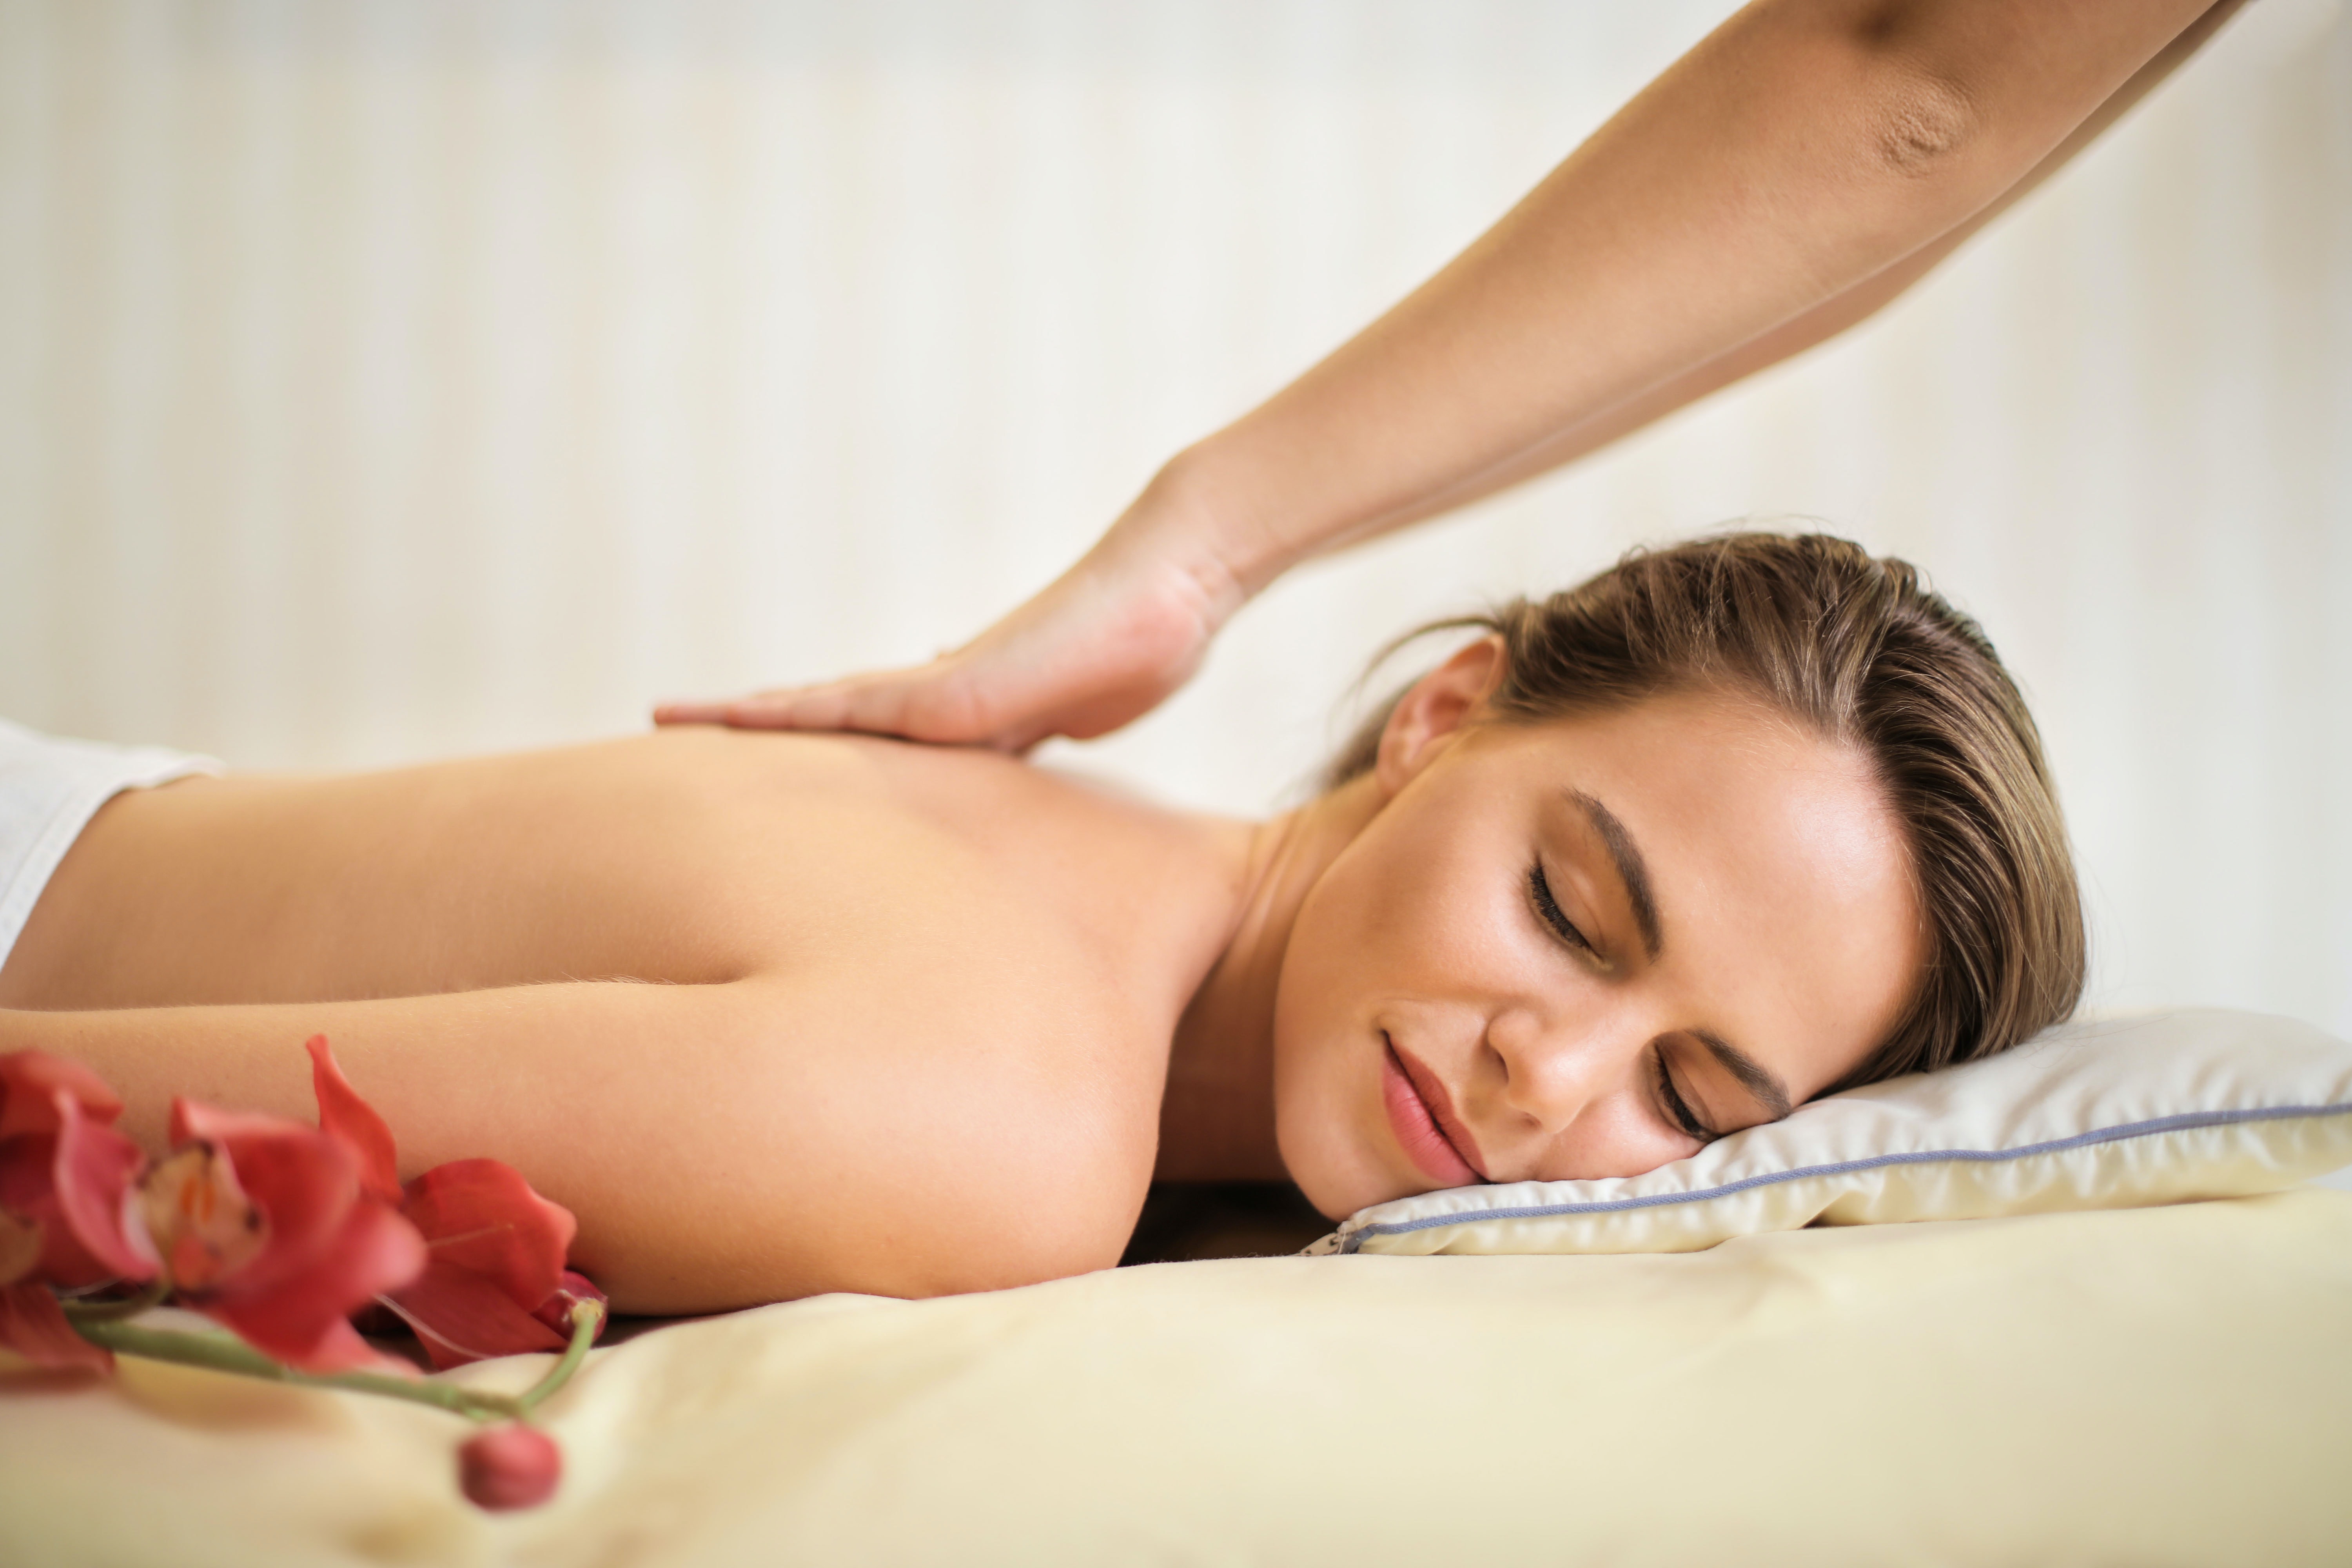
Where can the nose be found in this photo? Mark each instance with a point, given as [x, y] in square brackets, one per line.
[1555, 1065]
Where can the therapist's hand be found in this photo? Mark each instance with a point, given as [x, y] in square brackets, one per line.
[1101, 644]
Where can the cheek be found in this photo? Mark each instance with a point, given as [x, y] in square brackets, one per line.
[1616, 1137]
[1419, 924]
[1321, 1056]
[1370, 940]
[1389, 920]
[1322, 996]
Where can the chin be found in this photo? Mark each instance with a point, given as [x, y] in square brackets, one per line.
[1330, 1166]
[1328, 1199]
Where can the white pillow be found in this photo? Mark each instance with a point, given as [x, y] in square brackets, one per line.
[2118, 1112]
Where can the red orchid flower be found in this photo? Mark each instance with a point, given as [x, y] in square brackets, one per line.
[65, 1177]
[264, 1226]
[493, 1283]
[280, 1231]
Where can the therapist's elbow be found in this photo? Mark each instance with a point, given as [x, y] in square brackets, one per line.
[1917, 73]
[1920, 126]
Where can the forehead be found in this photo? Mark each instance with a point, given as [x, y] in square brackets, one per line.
[1781, 877]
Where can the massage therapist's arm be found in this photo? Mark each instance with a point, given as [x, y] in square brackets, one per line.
[1799, 167]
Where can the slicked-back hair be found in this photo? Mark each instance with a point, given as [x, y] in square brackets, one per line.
[1859, 651]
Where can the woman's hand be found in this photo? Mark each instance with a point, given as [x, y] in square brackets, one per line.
[1101, 644]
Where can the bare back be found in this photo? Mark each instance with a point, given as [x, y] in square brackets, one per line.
[772, 1014]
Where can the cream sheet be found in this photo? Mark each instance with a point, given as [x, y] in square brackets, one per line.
[2168, 1385]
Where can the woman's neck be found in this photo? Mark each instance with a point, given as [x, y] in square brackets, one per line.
[1216, 1120]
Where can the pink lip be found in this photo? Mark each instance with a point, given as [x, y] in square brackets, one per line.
[1423, 1119]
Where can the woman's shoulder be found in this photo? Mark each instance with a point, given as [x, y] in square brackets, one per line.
[965, 854]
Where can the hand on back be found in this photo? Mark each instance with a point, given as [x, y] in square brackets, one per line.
[1100, 645]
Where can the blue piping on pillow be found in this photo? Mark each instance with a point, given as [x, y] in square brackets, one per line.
[2185, 1122]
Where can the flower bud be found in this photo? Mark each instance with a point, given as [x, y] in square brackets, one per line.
[513, 1465]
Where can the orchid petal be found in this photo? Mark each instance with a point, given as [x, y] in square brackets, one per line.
[34, 1326]
[301, 1319]
[344, 1114]
[29, 1082]
[92, 1169]
[36, 1329]
[452, 1352]
[26, 1176]
[20, 1247]
[29, 1190]
[481, 1216]
[461, 1317]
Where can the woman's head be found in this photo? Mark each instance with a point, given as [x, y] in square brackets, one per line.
[1729, 826]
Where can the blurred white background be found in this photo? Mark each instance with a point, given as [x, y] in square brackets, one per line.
[382, 381]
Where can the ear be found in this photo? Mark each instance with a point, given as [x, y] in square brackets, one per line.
[1427, 718]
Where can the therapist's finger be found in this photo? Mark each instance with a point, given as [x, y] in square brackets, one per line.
[927, 703]
[788, 708]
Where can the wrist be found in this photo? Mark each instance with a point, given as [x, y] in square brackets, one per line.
[1194, 517]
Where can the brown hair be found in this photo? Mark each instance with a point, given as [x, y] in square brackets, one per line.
[1859, 650]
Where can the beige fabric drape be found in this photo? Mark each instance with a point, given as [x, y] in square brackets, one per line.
[2153, 1386]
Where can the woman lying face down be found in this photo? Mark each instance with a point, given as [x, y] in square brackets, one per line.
[1729, 826]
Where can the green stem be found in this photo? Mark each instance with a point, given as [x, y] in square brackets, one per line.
[102, 1324]
[587, 1317]
[220, 1353]
[232, 1355]
[80, 1312]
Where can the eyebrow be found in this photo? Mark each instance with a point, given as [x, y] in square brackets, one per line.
[1631, 870]
[1754, 1076]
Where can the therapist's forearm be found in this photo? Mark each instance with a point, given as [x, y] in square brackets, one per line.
[1817, 325]
[1800, 166]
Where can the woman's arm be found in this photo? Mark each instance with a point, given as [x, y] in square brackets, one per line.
[720, 1144]
[1803, 165]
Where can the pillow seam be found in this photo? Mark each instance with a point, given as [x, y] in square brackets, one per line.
[2183, 1121]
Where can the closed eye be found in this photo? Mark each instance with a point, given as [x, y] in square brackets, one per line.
[1679, 1110]
[1548, 908]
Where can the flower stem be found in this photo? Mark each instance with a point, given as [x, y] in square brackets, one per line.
[220, 1353]
[587, 1317]
[80, 1312]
